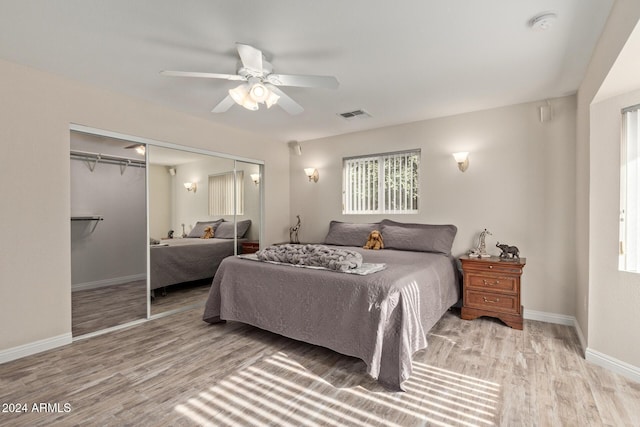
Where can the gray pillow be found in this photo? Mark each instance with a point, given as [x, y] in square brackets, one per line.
[418, 237]
[349, 234]
[198, 230]
[225, 229]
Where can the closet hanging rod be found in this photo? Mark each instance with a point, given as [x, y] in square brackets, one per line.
[86, 155]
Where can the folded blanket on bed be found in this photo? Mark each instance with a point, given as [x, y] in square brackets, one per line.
[364, 270]
[312, 255]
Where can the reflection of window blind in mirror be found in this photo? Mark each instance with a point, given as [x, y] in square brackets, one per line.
[221, 193]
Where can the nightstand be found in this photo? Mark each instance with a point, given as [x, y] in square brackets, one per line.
[250, 247]
[491, 287]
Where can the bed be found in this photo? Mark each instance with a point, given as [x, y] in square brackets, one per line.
[381, 318]
[192, 258]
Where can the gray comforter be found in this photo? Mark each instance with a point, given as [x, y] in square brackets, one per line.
[183, 260]
[382, 318]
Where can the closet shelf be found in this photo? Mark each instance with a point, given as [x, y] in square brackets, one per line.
[87, 218]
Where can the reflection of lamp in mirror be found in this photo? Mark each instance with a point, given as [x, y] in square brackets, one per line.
[255, 177]
[190, 186]
[462, 158]
[312, 173]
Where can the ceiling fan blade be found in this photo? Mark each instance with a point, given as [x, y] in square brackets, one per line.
[250, 56]
[325, 82]
[201, 75]
[287, 104]
[224, 105]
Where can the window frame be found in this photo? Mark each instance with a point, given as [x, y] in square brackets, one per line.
[629, 237]
[377, 203]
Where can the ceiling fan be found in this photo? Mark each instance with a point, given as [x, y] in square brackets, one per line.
[260, 83]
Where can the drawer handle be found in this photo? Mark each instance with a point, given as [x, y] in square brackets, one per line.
[486, 282]
[491, 266]
[485, 299]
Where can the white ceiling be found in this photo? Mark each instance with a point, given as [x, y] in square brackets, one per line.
[401, 61]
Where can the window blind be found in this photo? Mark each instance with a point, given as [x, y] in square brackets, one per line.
[222, 193]
[381, 183]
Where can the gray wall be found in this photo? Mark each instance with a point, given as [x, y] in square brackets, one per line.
[115, 250]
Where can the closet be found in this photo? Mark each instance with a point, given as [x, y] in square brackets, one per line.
[128, 196]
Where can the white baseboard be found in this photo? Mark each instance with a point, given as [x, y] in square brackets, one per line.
[107, 282]
[543, 316]
[34, 347]
[618, 366]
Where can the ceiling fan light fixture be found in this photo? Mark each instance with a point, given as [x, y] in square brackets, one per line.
[250, 104]
[259, 92]
[239, 93]
[242, 96]
[272, 99]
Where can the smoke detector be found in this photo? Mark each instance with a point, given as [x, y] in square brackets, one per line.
[543, 21]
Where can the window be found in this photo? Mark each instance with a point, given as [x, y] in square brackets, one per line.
[381, 183]
[629, 251]
[222, 193]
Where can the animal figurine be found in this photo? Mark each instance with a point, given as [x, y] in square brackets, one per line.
[482, 247]
[208, 232]
[508, 251]
[375, 241]
[293, 231]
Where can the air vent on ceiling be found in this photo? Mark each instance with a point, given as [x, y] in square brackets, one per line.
[357, 114]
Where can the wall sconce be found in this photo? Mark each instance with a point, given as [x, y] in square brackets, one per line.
[312, 173]
[255, 177]
[462, 158]
[190, 186]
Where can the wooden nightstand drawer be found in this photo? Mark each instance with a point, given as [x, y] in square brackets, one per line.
[493, 302]
[494, 267]
[491, 287]
[494, 282]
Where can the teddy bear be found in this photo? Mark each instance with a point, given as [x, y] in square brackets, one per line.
[375, 241]
[208, 232]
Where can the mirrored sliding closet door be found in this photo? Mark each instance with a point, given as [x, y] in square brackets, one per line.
[151, 222]
[108, 233]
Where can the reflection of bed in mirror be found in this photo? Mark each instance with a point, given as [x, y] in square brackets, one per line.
[176, 261]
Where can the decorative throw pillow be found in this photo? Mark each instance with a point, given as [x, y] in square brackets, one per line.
[349, 234]
[198, 230]
[225, 229]
[418, 237]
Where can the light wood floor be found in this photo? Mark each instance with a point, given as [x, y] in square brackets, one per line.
[181, 295]
[102, 308]
[179, 371]
[96, 309]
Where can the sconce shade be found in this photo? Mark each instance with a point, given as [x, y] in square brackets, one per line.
[462, 158]
[312, 173]
[190, 186]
